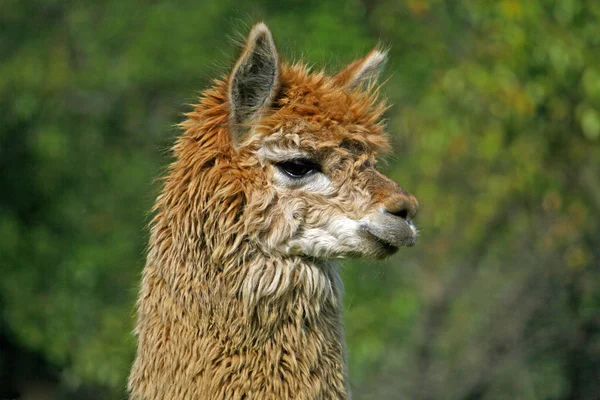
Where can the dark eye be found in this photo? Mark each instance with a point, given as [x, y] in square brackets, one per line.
[298, 168]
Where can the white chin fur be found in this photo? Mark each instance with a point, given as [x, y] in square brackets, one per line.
[336, 239]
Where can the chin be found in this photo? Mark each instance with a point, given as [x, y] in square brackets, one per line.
[373, 249]
[380, 251]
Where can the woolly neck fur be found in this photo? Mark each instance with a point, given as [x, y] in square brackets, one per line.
[241, 297]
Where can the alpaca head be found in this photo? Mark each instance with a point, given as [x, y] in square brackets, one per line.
[307, 145]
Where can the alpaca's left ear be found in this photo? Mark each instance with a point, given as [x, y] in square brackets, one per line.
[254, 80]
[363, 70]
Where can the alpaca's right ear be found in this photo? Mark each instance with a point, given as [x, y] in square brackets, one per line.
[363, 70]
[254, 81]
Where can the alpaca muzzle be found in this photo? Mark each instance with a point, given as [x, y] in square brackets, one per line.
[391, 231]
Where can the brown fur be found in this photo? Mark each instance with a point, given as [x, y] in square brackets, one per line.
[226, 310]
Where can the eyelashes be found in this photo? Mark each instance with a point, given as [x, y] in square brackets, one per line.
[298, 168]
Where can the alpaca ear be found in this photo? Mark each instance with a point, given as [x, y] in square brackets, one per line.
[363, 70]
[254, 80]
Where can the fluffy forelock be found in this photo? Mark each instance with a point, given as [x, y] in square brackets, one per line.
[326, 111]
[311, 101]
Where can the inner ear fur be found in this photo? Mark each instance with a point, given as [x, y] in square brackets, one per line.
[253, 81]
[362, 71]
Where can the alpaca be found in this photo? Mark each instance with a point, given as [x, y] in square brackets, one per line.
[274, 178]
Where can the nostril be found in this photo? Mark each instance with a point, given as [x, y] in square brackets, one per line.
[402, 206]
[402, 213]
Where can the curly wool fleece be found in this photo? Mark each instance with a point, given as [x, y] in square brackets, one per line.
[239, 297]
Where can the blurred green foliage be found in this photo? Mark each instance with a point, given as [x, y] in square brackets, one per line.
[496, 126]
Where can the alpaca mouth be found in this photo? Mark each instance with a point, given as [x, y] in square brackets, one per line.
[392, 237]
[388, 247]
[411, 240]
[396, 244]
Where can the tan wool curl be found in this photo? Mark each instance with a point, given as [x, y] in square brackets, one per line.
[240, 298]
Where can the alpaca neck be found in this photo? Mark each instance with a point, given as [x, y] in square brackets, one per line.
[293, 318]
[269, 328]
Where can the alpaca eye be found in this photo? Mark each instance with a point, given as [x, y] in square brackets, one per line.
[298, 168]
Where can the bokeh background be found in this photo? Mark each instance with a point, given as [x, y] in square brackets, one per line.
[496, 130]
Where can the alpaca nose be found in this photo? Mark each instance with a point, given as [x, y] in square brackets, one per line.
[402, 205]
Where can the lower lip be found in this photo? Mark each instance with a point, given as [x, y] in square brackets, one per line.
[408, 242]
[390, 247]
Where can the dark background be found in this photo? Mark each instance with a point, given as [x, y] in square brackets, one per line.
[496, 130]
